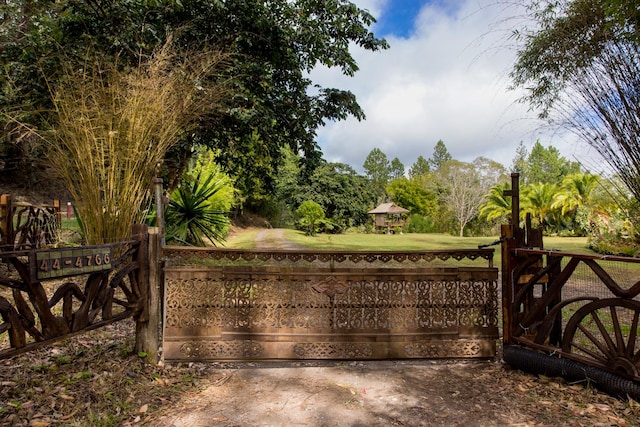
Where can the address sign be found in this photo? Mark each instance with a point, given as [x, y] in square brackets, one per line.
[53, 263]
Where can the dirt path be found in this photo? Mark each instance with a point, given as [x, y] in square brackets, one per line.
[273, 238]
[390, 393]
[417, 393]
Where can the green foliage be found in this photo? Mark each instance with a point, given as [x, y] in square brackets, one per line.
[614, 244]
[273, 44]
[538, 199]
[113, 128]
[497, 206]
[198, 209]
[310, 215]
[575, 191]
[419, 168]
[579, 64]
[378, 169]
[547, 165]
[412, 195]
[440, 155]
[345, 196]
[396, 169]
[419, 224]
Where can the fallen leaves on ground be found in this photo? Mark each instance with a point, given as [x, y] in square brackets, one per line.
[96, 379]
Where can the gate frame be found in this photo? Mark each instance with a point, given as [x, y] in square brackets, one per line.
[327, 274]
[535, 338]
[143, 300]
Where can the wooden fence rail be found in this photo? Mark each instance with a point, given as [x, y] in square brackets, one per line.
[27, 226]
[49, 294]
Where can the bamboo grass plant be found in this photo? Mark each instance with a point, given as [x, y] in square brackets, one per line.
[114, 128]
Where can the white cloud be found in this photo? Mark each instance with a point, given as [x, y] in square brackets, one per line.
[448, 81]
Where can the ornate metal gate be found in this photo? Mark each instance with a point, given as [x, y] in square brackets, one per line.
[250, 305]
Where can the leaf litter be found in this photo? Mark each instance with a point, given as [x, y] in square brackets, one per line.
[97, 379]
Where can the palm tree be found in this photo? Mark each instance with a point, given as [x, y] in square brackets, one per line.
[538, 202]
[498, 206]
[198, 209]
[575, 191]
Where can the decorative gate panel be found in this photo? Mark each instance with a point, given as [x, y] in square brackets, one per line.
[290, 312]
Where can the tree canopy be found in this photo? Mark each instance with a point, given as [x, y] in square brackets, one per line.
[440, 155]
[580, 67]
[378, 169]
[273, 45]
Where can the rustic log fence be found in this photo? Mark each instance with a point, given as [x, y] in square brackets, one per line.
[570, 314]
[27, 226]
[50, 294]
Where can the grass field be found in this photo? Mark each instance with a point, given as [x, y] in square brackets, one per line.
[245, 239]
[353, 241]
[416, 241]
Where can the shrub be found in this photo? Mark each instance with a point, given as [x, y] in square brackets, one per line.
[420, 224]
[310, 217]
[115, 126]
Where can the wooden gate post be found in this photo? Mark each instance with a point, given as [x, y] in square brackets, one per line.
[508, 243]
[511, 237]
[6, 220]
[149, 323]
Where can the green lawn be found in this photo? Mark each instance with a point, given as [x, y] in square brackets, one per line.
[389, 242]
[352, 241]
[417, 241]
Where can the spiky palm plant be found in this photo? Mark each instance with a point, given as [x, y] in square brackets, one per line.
[198, 209]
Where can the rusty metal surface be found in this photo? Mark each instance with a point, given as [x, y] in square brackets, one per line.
[245, 312]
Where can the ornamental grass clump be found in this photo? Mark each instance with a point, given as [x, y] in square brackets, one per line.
[114, 128]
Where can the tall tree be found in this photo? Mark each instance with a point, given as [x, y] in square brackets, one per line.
[547, 165]
[489, 172]
[396, 169]
[440, 155]
[378, 169]
[345, 196]
[579, 64]
[420, 167]
[519, 163]
[463, 191]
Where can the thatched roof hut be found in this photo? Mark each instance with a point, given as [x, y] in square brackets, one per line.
[389, 217]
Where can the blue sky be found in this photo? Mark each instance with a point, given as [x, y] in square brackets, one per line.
[445, 77]
[397, 17]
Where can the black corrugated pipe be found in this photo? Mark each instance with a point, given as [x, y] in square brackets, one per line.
[552, 366]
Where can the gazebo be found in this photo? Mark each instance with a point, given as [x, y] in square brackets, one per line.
[389, 217]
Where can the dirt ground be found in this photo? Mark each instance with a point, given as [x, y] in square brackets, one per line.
[392, 393]
[95, 379]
